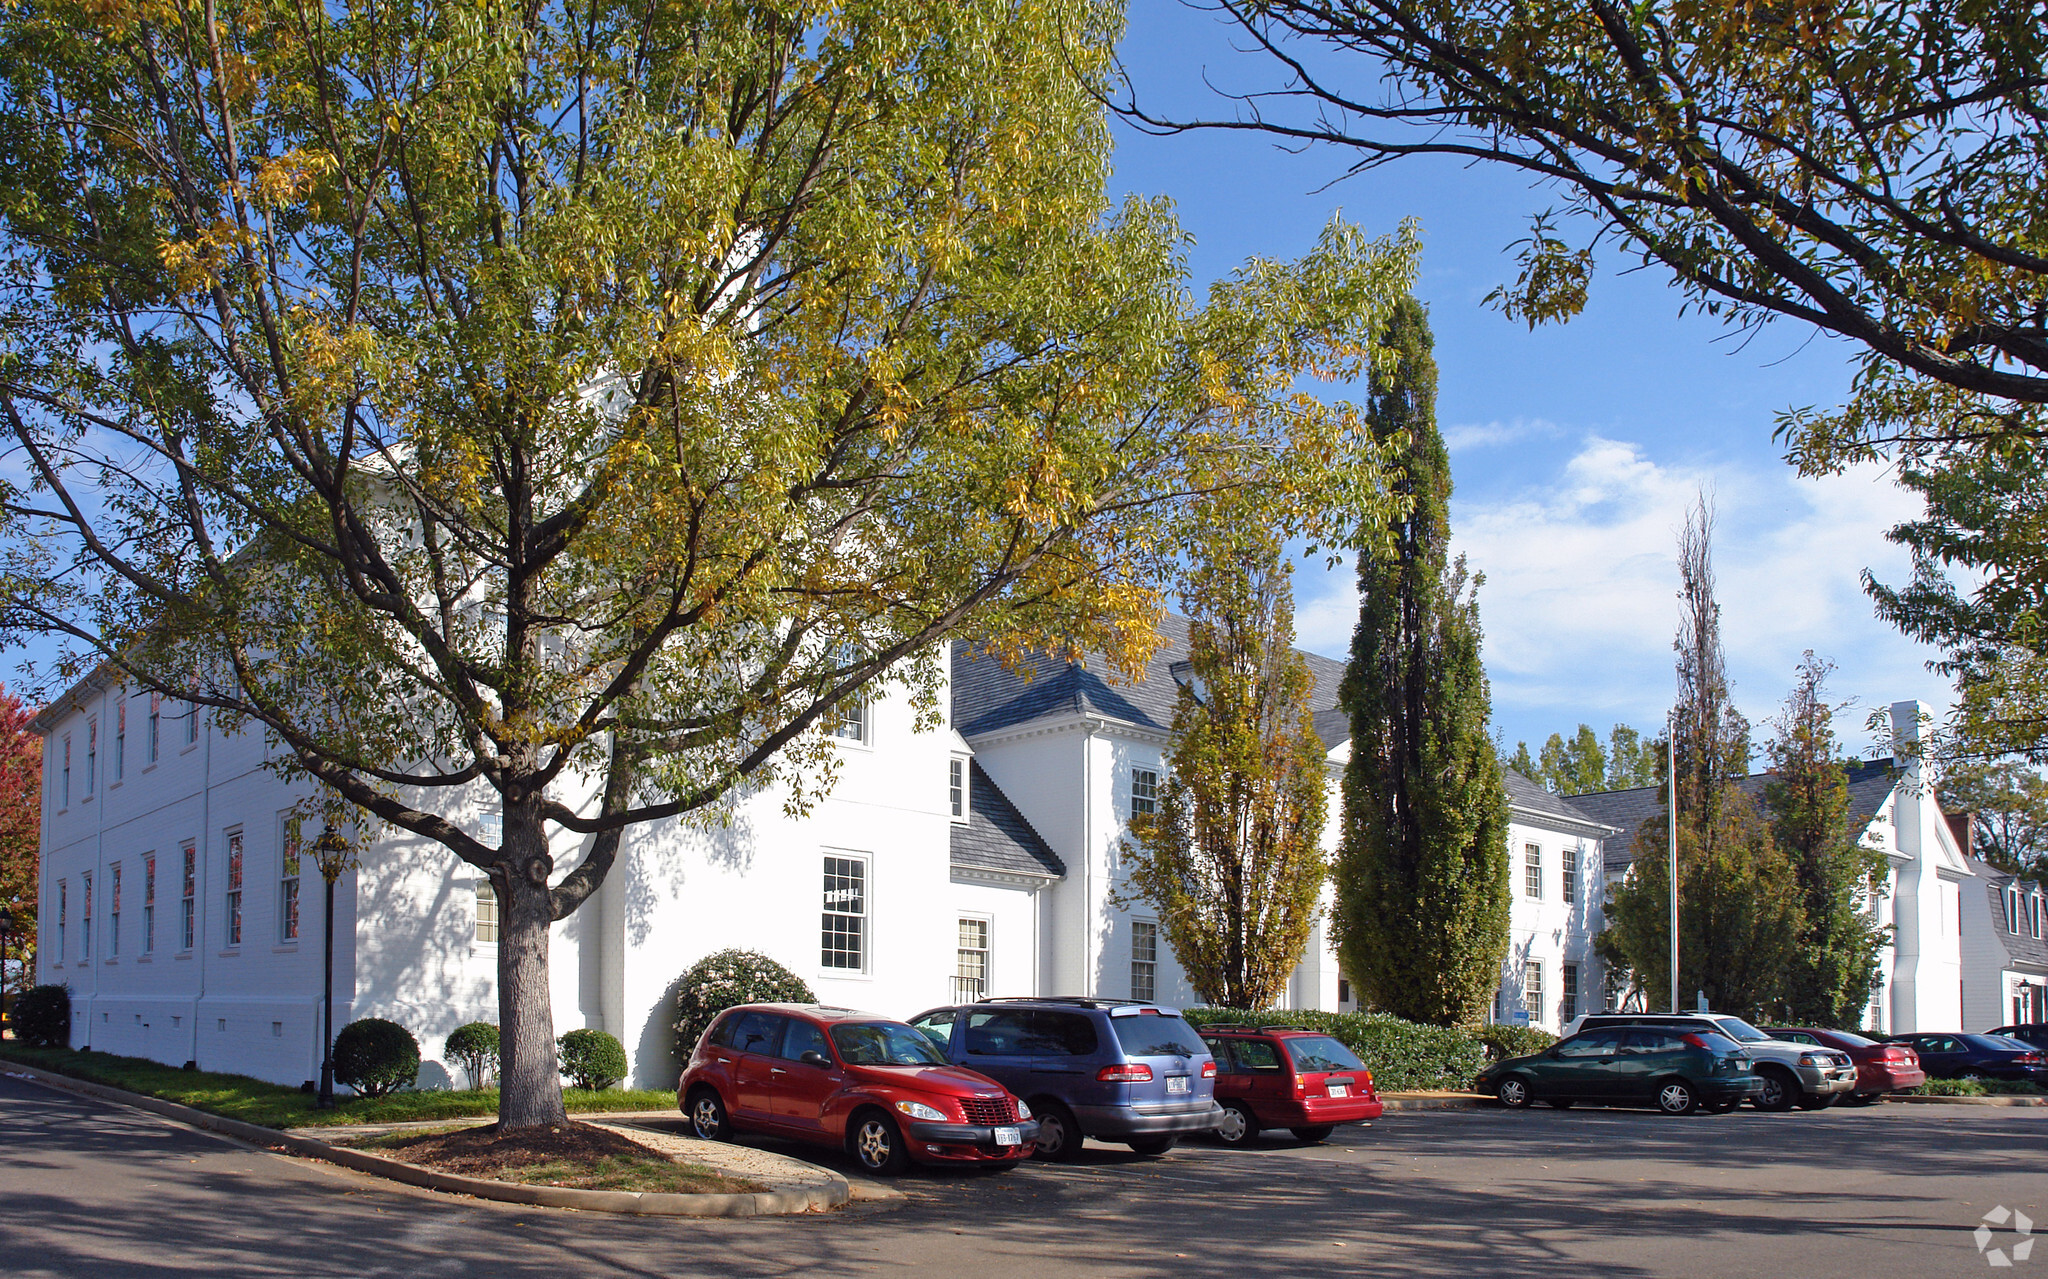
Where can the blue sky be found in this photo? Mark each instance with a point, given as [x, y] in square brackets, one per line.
[1576, 448]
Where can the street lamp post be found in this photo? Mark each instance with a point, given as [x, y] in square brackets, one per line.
[332, 852]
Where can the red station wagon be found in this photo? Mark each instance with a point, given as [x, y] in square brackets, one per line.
[836, 1077]
[1286, 1077]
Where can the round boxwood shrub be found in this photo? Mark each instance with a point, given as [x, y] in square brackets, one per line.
[592, 1059]
[374, 1056]
[474, 1047]
[727, 978]
[42, 1016]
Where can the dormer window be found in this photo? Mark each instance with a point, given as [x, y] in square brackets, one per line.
[2012, 910]
[956, 787]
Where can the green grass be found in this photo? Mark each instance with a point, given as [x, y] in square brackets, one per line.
[274, 1106]
[1978, 1088]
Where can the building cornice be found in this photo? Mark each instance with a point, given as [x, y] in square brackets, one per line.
[1000, 878]
[73, 699]
[1563, 825]
[1068, 722]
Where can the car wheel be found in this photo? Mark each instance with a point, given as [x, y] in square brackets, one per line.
[1059, 1137]
[1860, 1099]
[708, 1120]
[1676, 1097]
[1313, 1135]
[1780, 1091]
[1559, 1103]
[1237, 1126]
[1514, 1092]
[878, 1144]
[1972, 1076]
[1152, 1145]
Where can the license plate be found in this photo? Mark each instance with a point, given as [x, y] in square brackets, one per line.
[1176, 1085]
[1742, 1065]
[1009, 1137]
[1339, 1090]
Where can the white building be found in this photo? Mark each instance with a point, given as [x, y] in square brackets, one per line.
[1551, 974]
[2005, 953]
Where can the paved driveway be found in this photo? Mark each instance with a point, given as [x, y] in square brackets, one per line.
[88, 1189]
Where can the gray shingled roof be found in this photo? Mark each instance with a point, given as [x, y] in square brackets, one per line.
[2023, 949]
[988, 696]
[997, 837]
[1531, 798]
[1870, 782]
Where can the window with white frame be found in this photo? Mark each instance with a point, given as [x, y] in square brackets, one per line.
[121, 737]
[486, 911]
[1568, 873]
[65, 792]
[2034, 915]
[114, 911]
[188, 903]
[191, 723]
[956, 788]
[970, 961]
[2012, 909]
[231, 919]
[491, 829]
[92, 754]
[288, 877]
[1532, 989]
[63, 916]
[156, 725]
[1532, 870]
[1568, 996]
[85, 915]
[148, 902]
[1144, 791]
[1144, 959]
[844, 932]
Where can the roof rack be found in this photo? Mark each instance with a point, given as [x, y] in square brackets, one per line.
[1078, 1001]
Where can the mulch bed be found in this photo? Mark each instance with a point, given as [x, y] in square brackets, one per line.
[573, 1154]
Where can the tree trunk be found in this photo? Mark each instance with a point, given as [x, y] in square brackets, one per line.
[529, 1075]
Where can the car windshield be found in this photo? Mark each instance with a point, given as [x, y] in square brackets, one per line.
[1320, 1052]
[2002, 1043]
[1739, 1030]
[883, 1043]
[1157, 1035]
[1850, 1039]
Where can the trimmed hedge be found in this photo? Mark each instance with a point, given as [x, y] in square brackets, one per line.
[1403, 1056]
[592, 1059]
[1503, 1042]
[42, 1016]
[726, 979]
[474, 1047]
[375, 1057]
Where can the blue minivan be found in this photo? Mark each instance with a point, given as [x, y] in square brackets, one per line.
[1123, 1071]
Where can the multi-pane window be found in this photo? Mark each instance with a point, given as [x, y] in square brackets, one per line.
[156, 725]
[63, 916]
[148, 902]
[1144, 959]
[191, 723]
[1144, 791]
[121, 738]
[1532, 989]
[233, 918]
[65, 791]
[85, 915]
[849, 720]
[1568, 871]
[2034, 914]
[1532, 871]
[2012, 911]
[491, 829]
[970, 962]
[845, 923]
[956, 787]
[288, 879]
[92, 754]
[114, 910]
[486, 911]
[1568, 998]
[187, 902]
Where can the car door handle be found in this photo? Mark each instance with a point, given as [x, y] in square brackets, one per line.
[723, 1061]
[777, 1070]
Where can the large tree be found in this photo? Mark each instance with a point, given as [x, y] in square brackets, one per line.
[564, 408]
[2007, 802]
[21, 834]
[1422, 874]
[1582, 764]
[1834, 968]
[1736, 920]
[1232, 861]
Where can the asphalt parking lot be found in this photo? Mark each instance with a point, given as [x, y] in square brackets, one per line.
[92, 1189]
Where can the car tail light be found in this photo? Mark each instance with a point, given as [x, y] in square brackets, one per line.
[1133, 1073]
[1693, 1040]
[2028, 1059]
[1209, 1069]
[1895, 1054]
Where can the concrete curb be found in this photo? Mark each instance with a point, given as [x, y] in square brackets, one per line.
[652, 1204]
[1968, 1101]
[1392, 1101]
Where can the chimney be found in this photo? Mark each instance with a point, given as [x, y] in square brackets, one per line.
[1964, 827]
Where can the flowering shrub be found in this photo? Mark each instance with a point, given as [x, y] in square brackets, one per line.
[725, 979]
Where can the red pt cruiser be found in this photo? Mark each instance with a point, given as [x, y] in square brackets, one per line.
[840, 1078]
[1285, 1077]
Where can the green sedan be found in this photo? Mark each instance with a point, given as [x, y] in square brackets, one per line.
[1677, 1071]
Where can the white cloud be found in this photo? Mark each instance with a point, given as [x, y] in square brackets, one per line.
[1580, 601]
[1486, 435]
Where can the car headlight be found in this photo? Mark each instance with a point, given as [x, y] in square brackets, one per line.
[1813, 1059]
[918, 1110]
[1023, 1111]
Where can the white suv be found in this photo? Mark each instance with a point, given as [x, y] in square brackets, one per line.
[1793, 1074]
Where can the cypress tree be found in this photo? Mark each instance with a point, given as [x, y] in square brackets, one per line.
[1422, 876]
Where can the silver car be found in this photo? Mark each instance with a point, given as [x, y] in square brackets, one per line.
[1793, 1074]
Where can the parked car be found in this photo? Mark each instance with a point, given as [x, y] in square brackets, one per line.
[836, 1077]
[1959, 1056]
[1792, 1074]
[1880, 1067]
[1675, 1069]
[2035, 1033]
[1287, 1077]
[1127, 1071]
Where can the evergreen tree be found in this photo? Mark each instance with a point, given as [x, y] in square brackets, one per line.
[1737, 923]
[1831, 973]
[1629, 762]
[1526, 764]
[1233, 861]
[1422, 876]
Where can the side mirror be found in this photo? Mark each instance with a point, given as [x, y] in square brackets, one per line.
[812, 1057]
